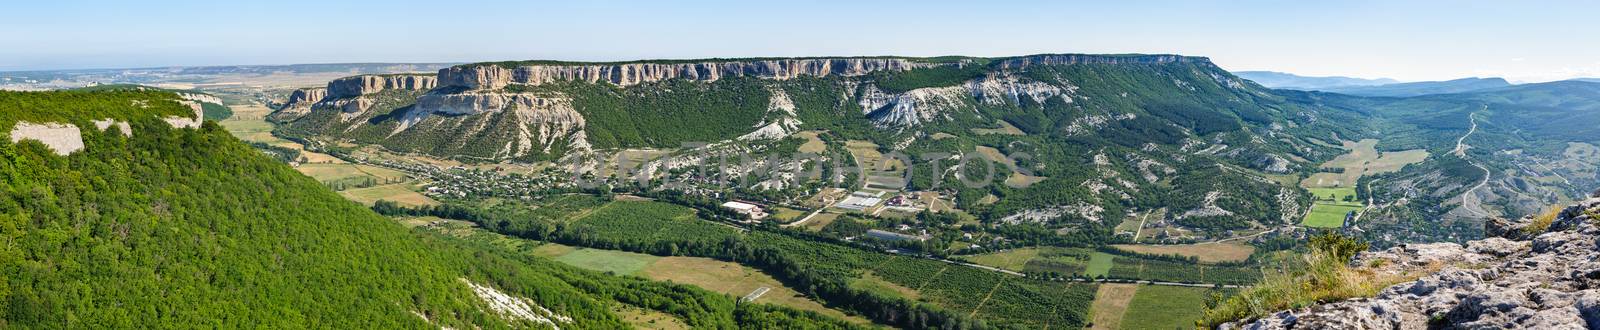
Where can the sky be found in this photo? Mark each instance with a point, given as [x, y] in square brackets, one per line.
[1526, 41]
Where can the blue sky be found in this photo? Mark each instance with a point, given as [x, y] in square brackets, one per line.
[1407, 40]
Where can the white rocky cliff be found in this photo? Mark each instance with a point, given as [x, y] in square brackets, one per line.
[625, 74]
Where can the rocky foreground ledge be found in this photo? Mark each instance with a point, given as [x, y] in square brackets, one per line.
[1512, 280]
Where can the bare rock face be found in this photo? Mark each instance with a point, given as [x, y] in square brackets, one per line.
[370, 84]
[626, 74]
[921, 105]
[1061, 59]
[1546, 281]
[542, 122]
[304, 97]
[61, 138]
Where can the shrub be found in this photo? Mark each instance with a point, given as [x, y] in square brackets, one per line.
[1542, 222]
[1322, 275]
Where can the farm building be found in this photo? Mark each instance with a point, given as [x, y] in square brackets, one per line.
[860, 201]
[754, 212]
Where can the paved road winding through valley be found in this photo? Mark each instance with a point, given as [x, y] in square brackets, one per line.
[1469, 199]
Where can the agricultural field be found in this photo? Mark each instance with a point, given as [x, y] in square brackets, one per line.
[1334, 195]
[616, 262]
[872, 283]
[1089, 262]
[1184, 272]
[1164, 307]
[403, 193]
[1100, 264]
[1066, 261]
[1005, 128]
[249, 123]
[1012, 260]
[1362, 159]
[1111, 305]
[668, 231]
[1207, 252]
[720, 276]
[649, 221]
[1328, 215]
[819, 221]
[786, 215]
[735, 280]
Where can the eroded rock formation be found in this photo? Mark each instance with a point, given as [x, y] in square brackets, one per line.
[372, 84]
[625, 74]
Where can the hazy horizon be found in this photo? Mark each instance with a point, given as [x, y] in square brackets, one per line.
[1414, 41]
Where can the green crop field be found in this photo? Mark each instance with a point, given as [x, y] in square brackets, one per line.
[1013, 259]
[1324, 215]
[1164, 307]
[1099, 264]
[1333, 194]
[625, 263]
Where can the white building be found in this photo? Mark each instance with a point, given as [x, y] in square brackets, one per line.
[749, 210]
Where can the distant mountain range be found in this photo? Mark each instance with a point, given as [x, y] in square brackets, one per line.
[1382, 87]
[1423, 87]
[1281, 80]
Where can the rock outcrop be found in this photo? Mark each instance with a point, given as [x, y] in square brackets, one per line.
[61, 138]
[541, 122]
[491, 76]
[305, 97]
[1546, 281]
[917, 106]
[371, 84]
[1064, 59]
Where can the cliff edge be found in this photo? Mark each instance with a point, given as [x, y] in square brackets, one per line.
[1521, 277]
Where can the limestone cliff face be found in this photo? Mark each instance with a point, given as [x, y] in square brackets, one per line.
[541, 122]
[922, 105]
[625, 74]
[1513, 280]
[1064, 59]
[306, 96]
[370, 84]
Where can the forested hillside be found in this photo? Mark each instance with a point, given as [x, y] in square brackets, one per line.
[193, 228]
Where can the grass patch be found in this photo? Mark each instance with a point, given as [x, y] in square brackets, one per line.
[786, 215]
[819, 221]
[871, 282]
[647, 319]
[735, 280]
[552, 250]
[1005, 128]
[398, 193]
[1165, 307]
[1335, 195]
[1324, 215]
[1099, 264]
[618, 262]
[1014, 259]
[813, 144]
